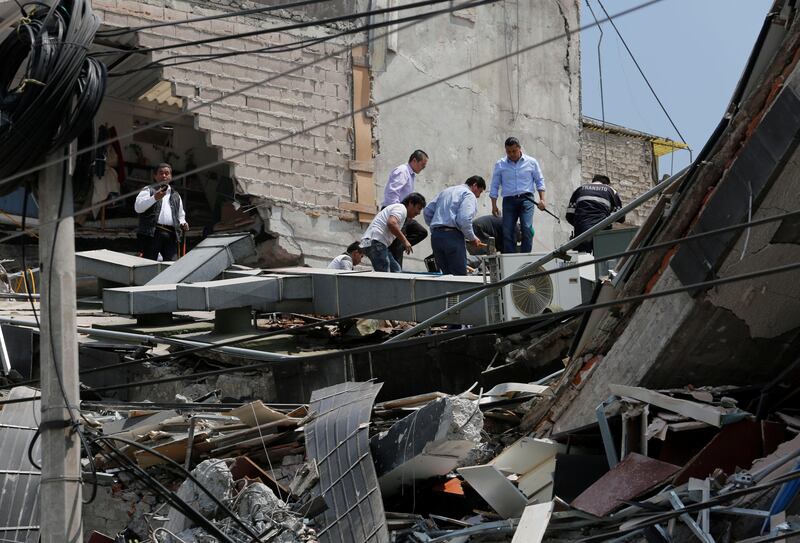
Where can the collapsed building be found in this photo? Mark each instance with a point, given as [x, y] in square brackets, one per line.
[220, 403]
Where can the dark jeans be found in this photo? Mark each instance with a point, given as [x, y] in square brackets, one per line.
[414, 232]
[162, 242]
[449, 251]
[380, 257]
[517, 208]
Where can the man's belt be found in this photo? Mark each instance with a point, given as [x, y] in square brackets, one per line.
[523, 195]
[447, 228]
[165, 228]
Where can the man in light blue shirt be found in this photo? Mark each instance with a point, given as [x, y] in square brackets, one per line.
[516, 176]
[449, 216]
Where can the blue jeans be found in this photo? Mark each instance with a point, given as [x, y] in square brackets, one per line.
[517, 208]
[382, 260]
[449, 251]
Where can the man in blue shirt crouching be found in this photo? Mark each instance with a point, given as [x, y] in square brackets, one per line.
[449, 216]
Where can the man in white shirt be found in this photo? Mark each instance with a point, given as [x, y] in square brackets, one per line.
[386, 227]
[349, 259]
[160, 225]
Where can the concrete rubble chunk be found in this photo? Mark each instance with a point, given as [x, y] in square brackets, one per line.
[216, 477]
[430, 442]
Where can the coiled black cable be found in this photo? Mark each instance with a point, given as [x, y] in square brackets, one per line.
[50, 89]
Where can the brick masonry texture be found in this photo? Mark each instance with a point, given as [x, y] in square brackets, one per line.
[630, 167]
[305, 171]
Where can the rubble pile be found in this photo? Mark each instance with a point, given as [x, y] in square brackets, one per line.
[692, 462]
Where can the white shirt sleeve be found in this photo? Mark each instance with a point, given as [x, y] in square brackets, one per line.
[181, 211]
[144, 200]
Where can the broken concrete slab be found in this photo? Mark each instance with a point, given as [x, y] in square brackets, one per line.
[710, 414]
[429, 442]
[215, 476]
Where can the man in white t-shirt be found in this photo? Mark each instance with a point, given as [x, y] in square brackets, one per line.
[349, 259]
[385, 227]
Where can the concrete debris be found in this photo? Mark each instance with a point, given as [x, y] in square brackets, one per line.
[430, 442]
[215, 476]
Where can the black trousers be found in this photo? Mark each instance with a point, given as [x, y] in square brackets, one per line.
[162, 242]
[414, 232]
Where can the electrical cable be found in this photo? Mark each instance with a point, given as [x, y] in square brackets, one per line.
[59, 90]
[168, 495]
[264, 31]
[407, 93]
[299, 67]
[693, 508]
[288, 47]
[189, 475]
[602, 98]
[631, 252]
[472, 331]
[641, 72]
[240, 13]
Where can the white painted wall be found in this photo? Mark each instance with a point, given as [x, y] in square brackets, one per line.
[462, 123]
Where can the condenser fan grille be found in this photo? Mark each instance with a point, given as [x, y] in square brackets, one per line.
[532, 296]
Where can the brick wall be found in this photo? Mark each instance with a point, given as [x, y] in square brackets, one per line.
[307, 172]
[630, 166]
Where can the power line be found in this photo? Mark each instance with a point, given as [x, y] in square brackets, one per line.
[169, 118]
[555, 315]
[336, 118]
[641, 72]
[240, 13]
[285, 28]
[602, 98]
[284, 48]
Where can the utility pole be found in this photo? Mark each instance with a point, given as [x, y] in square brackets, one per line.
[60, 496]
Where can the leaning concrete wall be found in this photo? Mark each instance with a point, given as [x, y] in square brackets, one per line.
[735, 334]
[462, 123]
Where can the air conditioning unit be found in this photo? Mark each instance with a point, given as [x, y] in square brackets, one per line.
[532, 296]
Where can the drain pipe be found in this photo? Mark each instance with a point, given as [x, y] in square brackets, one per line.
[143, 338]
[528, 268]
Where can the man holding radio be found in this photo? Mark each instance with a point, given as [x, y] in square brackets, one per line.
[160, 226]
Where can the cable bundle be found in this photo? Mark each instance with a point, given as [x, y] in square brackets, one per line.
[50, 89]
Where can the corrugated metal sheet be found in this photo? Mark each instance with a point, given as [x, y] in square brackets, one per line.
[19, 479]
[338, 439]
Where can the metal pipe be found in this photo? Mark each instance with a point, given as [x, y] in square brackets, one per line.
[574, 242]
[142, 338]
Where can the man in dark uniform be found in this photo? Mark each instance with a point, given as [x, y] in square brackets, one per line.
[590, 204]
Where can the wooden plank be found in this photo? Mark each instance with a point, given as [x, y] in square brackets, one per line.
[360, 207]
[411, 400]
[705, 413]
[256, 413]
[364, 184]
[367, 166]
[533, 523]
[174, 450]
